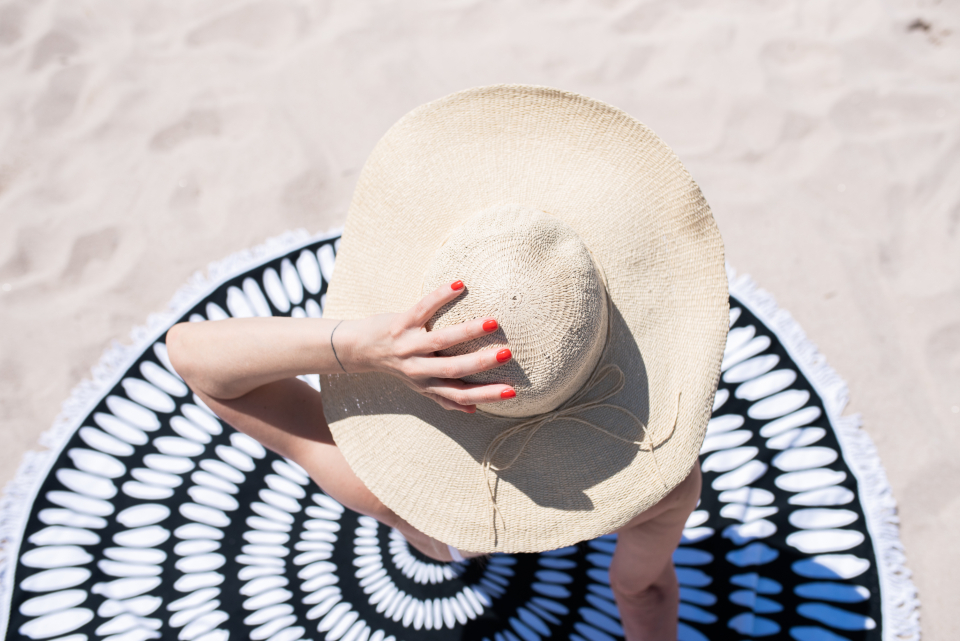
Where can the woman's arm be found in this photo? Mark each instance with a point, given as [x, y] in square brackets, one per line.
[231, 358]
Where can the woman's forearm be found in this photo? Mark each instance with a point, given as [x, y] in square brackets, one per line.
[229, 358]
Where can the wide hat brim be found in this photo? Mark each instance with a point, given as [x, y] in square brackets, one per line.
[634, 205]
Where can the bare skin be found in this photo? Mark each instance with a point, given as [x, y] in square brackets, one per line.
[245, 370]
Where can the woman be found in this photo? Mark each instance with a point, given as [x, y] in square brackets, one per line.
[593, 368]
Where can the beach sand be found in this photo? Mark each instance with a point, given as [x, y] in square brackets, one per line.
[139, 141]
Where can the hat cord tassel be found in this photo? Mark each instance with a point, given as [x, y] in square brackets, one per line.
[570, 411]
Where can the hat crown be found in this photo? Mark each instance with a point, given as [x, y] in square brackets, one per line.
[536, 277]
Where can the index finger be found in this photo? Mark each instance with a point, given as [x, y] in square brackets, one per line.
[426, 307]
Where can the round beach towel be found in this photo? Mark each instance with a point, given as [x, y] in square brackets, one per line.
[149, 518]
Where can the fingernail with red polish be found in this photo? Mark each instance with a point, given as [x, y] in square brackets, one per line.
[507, 393]
[504, 355]
[490, 326]
[457, 285]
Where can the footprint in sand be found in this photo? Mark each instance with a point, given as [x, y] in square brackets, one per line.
[59, 100]
[53, 47]
[199, 123]
[89, 251]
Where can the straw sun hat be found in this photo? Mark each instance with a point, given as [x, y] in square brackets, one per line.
[579, 230]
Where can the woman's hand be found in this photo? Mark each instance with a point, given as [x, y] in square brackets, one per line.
[399, 344]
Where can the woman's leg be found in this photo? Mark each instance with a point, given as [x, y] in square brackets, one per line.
[642, 575]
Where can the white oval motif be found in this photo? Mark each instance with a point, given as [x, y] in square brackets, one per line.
[751, 369]
[697, 518]
[751, 349]
[247, 445]
[797, 419]
[809, 480]
[822, 518]
[163, 379]
[720, 398]
[820, 541]
[192, 582]
[291, 471]
[224, 471]
[743, 532]
[729, 459]
[258, 537]
[327, 260]
[56, 624]
[133, 413]
[778, 405]
[275, 291]
[141, 515]
[120, 429]
[59, 535]
[291, 281]
[285, 486]
[313, 309]
[725, 441]
[262, 584]
[804, 458]
[238, 304]
[298, 312]
[327, 503]
[215, 312]
[153, 477]
[40, 605]
[203, 514]
[104, 442]
[97, 463]
[80, 503]
[88, 484]
[836, 495]
[166, 463]
[748, 495]
[740, 477]
[194, 547]
[214, 482]
[202, 418]
[213, 498]
[194, 599]
[203, 625]
[122, 589]
[142, 537]
[198, 531]
[200, 563]
[52, 580]
[146, 492]
[177, 446]
[309, 271]
[160, 350]
[55, 556]
[188, 430]
[58, 516]
[142, 556]
[724, 423]
[746, 513]
[118, 569]
[737, 338]
[256, 298]
[236, 458]
[797, 437]
[766, 385]
[281, 501]
[148, 395]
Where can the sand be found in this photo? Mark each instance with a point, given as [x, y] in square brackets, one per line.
[139, 141]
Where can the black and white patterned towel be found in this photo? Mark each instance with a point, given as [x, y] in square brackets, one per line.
[151, 519]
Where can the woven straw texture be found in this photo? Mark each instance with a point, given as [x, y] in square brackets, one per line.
[531, 271]
[624, 194]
